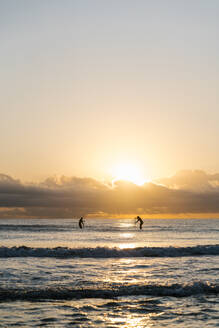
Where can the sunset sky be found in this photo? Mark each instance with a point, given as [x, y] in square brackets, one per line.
[100, 91]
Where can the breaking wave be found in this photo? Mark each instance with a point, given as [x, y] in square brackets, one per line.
[54, 293]
[105, 252]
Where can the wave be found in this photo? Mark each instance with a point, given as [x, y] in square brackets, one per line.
[64, 293]
[105, 252]
[34, 227]
[47, 228]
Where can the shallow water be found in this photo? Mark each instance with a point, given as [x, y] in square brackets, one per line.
[110, 274]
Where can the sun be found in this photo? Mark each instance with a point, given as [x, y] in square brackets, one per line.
[128, 171]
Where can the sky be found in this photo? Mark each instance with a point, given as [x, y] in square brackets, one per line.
[94, 92]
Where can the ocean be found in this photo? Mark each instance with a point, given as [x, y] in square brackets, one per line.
[110, 274]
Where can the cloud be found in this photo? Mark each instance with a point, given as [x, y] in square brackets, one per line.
[191, 193]
[196, 180]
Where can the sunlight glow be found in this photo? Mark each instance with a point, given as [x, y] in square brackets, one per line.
[126, 235]
[127, 245]
[133, 321]
[128, 172]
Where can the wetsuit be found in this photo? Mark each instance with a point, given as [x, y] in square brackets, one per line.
[81, 223]
[140, 222]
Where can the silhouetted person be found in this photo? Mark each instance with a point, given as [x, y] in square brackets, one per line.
[138, 219]
[81, 223]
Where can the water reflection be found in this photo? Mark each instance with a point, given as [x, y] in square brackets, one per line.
[126, 224]
[126, 235]
[132, 321]
[127, 245]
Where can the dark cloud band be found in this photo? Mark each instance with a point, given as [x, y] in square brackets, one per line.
[187, 192]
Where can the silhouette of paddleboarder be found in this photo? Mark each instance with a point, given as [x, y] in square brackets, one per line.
[141, 222]
[81, 223]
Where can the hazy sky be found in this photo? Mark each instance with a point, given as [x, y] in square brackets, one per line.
[86, 85]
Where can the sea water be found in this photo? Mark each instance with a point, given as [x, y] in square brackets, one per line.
[110, 274]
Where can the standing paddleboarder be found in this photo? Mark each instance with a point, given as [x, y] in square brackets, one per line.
[81, 223]
[141, 222]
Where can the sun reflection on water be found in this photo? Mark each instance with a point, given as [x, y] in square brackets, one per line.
[132, 321]
[126, 235]
[127, 245]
